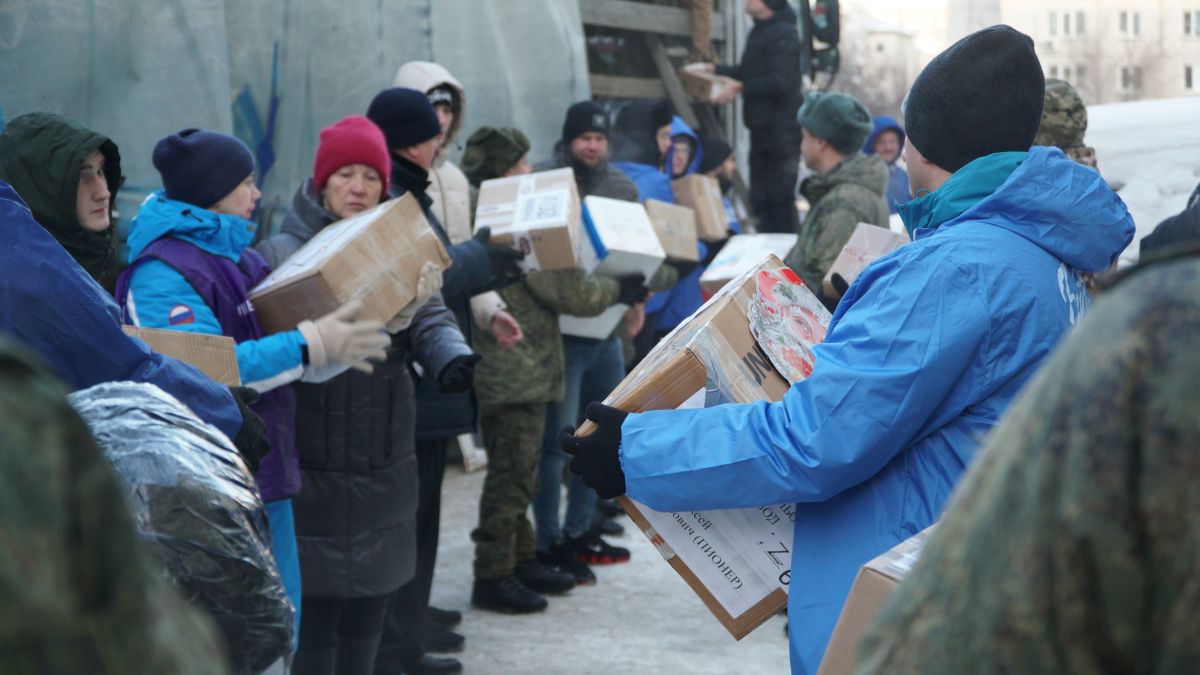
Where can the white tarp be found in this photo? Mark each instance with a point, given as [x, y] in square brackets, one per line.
[137, 70]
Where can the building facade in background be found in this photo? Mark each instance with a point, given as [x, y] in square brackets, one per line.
[1111, 50]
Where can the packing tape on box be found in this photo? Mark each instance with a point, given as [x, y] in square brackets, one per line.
[593, 234]
[664, 549]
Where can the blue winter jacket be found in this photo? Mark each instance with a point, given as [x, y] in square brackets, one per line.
[160, 297]
[898, 191]
[923, 355]
[675, 304]
[52, 306]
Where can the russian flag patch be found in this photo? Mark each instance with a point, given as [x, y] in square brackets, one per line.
[180, 315]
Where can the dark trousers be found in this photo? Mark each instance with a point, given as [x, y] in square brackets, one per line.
[774, 171]
[402, 627]
[339, 635]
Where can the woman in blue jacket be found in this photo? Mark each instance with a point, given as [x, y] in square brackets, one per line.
[923, 354]
[191, 270]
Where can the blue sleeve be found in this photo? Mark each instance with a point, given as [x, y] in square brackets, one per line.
[891, 371]
[160, 297]
[51, 305]
[470, 271]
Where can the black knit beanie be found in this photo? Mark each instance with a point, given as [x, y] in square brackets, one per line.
[981, 96]
[405, 116]
[583, 117]
[713, 151]
[201, 167]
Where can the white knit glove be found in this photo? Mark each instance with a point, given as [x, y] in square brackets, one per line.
[338, 338]
[429, 281]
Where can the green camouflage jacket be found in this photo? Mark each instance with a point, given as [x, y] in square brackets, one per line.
[1071, 545]
[75, 595]
[532, 370]
[850, 194]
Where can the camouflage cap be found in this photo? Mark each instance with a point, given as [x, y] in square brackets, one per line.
[491, 151]
[1064, 116]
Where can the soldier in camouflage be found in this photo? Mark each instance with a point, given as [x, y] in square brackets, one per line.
[515, 388]
[847, 188]
[75, 594]
[1064, 121]
[1071, 544]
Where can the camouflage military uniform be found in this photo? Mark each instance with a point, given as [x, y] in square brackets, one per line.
[1064, 122]
[514, 388]
[850, 194]
[1071, 546]
[75, 596]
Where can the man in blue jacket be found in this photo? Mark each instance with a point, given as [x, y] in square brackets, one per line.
[923, 355]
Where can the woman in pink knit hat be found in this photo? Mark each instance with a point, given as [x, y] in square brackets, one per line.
[355, 433]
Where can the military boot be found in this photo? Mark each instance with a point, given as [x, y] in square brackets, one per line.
[506, 595]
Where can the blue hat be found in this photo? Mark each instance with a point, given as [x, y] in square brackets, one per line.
[405, 116]
[201, 167]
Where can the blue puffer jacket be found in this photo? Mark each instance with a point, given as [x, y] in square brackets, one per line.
[51, 305]
[924, 353]
[675, 304]
[898, 191]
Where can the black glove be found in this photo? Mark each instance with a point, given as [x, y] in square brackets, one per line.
[633, 289]
[596, 458]
[459, 374]
[839, 284]
[504, 260]
[251, 439]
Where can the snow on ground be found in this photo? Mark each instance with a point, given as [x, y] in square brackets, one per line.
[1152, 150]
[639, 618]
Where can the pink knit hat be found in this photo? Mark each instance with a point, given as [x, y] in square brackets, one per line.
[351, 140]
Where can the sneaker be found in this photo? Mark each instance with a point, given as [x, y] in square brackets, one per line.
[561, 559]
[609, 508]
[506, 595]
[590, 549]
[446, 617]
[607, 526]
[541, 579]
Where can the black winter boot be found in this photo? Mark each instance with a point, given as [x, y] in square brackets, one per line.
[506, 595]
[541, 579]
[446, 617]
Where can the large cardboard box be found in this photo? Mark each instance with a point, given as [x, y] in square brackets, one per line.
[621, 241]
[871, 588]
[374, 256]
[539, 214]
[213, 355]
[867, 244]
[743, 252]
[676, 228]
[737, 561]
[702, 86]
[702, 194]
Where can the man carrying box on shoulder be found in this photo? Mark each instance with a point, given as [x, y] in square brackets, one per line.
[923, 355]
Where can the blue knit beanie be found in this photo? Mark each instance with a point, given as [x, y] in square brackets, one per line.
[405, 116]
[201, 167]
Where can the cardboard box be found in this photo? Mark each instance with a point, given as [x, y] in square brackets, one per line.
[743, 252]
[702, 86]
[676, 228]
[871, 588]
[712, 358]
[213, 355]
[702, 194]
[867, 244]
[374, 256]
[621, 241]
[538, 213]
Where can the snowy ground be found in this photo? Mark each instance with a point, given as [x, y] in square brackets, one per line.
[639, 618]
[1152, 149]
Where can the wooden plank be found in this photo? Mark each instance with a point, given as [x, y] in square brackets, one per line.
[626, 87]
[644, 17]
